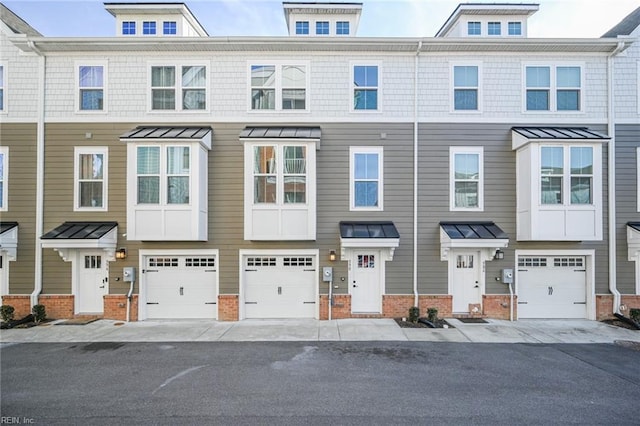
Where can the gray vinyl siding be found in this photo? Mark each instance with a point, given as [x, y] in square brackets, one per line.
[226, 199]
[21, 141]
[499, 202]
[627, 142]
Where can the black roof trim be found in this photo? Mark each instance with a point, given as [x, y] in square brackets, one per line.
[365, 229]
[473, 230]
[634, 225]
[553, 132]
[6, 226]
[80, 231]
[281, 132]
[167, 132]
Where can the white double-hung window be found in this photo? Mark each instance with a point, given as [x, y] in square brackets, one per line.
[280, 190]
[4, 177]
[553, 88]
[181, 88]
[366, 178]
[91, 165]
[466, 178]
[90, 78]
[278, 86]
[2, 88]
[466, 87]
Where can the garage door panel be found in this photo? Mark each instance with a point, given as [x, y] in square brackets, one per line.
[181, 287]
[552, 287]
[280, 287]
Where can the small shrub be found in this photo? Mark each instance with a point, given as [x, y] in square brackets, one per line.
[432, 315]
[39, 313]
[634, 313]
[6, 312]
[414, 314]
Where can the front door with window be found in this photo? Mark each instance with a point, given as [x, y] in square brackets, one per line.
[465, 281]
[365, 282]
[92, 282]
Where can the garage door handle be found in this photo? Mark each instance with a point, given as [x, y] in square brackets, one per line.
[250, 303]
[153, 303]
[523, 303]
[579, 303]
[279, 290]
[181, 291]
[209, 303]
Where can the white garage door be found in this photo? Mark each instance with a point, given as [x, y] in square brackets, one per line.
[552, 287]
[280, 286]
[181, 286]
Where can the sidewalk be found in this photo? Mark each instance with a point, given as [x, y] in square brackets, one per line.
[495, 331]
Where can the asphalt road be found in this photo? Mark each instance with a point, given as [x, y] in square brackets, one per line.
[352, 383]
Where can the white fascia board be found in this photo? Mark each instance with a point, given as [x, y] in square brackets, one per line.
[205, 142]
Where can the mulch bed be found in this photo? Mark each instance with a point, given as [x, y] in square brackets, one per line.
[619, 323]
[440, 323]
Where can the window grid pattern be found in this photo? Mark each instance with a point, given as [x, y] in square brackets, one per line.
[515, 28]
[91, 180]
[199, 262]
[366, 261]
[261, 261]
[302, 27]
[365, 83]
[2, 87]
[169, 28]
[163, 262]
[550, 88]
[466, 179]
[577, 262]
[342, 28]
[297, 261]
[322, 28]
[366, 175]
[190, 86]
[465, 87]
[92, 262]
[532, 261]
[474, 28]
[128, 28]
[494, 28]
[148, 27]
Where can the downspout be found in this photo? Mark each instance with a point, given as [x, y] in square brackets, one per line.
[37, 287]
[613, 288]
[415, 176]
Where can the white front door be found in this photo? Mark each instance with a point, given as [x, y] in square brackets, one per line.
[92, 282]
[4, 272]
[365, 282]
[465, 280]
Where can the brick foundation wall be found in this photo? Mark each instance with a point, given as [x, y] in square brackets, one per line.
[21, 304]
[497, 306]
[604, 305]
[57, 306]
[397, 305]
[115, 307]
[341, 306]
[443, 303]
[228, 307]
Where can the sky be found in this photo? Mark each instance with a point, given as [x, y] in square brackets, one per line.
[380, 18]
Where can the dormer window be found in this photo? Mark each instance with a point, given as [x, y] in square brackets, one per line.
[128, 28]
[169, 28]
[474, 28]
[322, 28]
[149, 28]
[515, 28]
[494, 29]
[302, 27]
[342, 28]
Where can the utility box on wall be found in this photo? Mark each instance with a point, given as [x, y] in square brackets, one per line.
[507, 276]
[129, 274]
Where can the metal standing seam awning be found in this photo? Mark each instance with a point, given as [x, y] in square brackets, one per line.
[9, 239]
[522, 135]
[303, 133]
[472, 235]
[633, 240]
[82, 235]
[368, 234]
[200, 134]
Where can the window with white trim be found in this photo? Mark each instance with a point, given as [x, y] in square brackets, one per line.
[302, 27]
[163, 174]
[638, 177]
[474, 28]
[553, 88]
[514, 28]
[566, 170]
[280, 190]
[494, 28]
[322, 27]
[4, 177]
[2, 87]
[91, 87]
[466, 180]
[90, 177]
[182, 88]
[366, 178]
[342, 28]
[128, 28]
[169, 28]
[149, 28]
[466, 87]
[279, 87]
[365, 87]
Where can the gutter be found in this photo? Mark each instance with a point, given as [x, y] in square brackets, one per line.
[613, 288]
[37, 287]
[415, 176]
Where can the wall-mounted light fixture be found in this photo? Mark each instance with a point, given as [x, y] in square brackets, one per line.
[121, 253]
[499, 255]
[332, 255]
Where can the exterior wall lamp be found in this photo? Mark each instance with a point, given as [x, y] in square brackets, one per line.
[332, 255]
[499, 255]
[121, 253]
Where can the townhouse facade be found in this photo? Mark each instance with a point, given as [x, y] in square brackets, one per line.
[167, 173]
